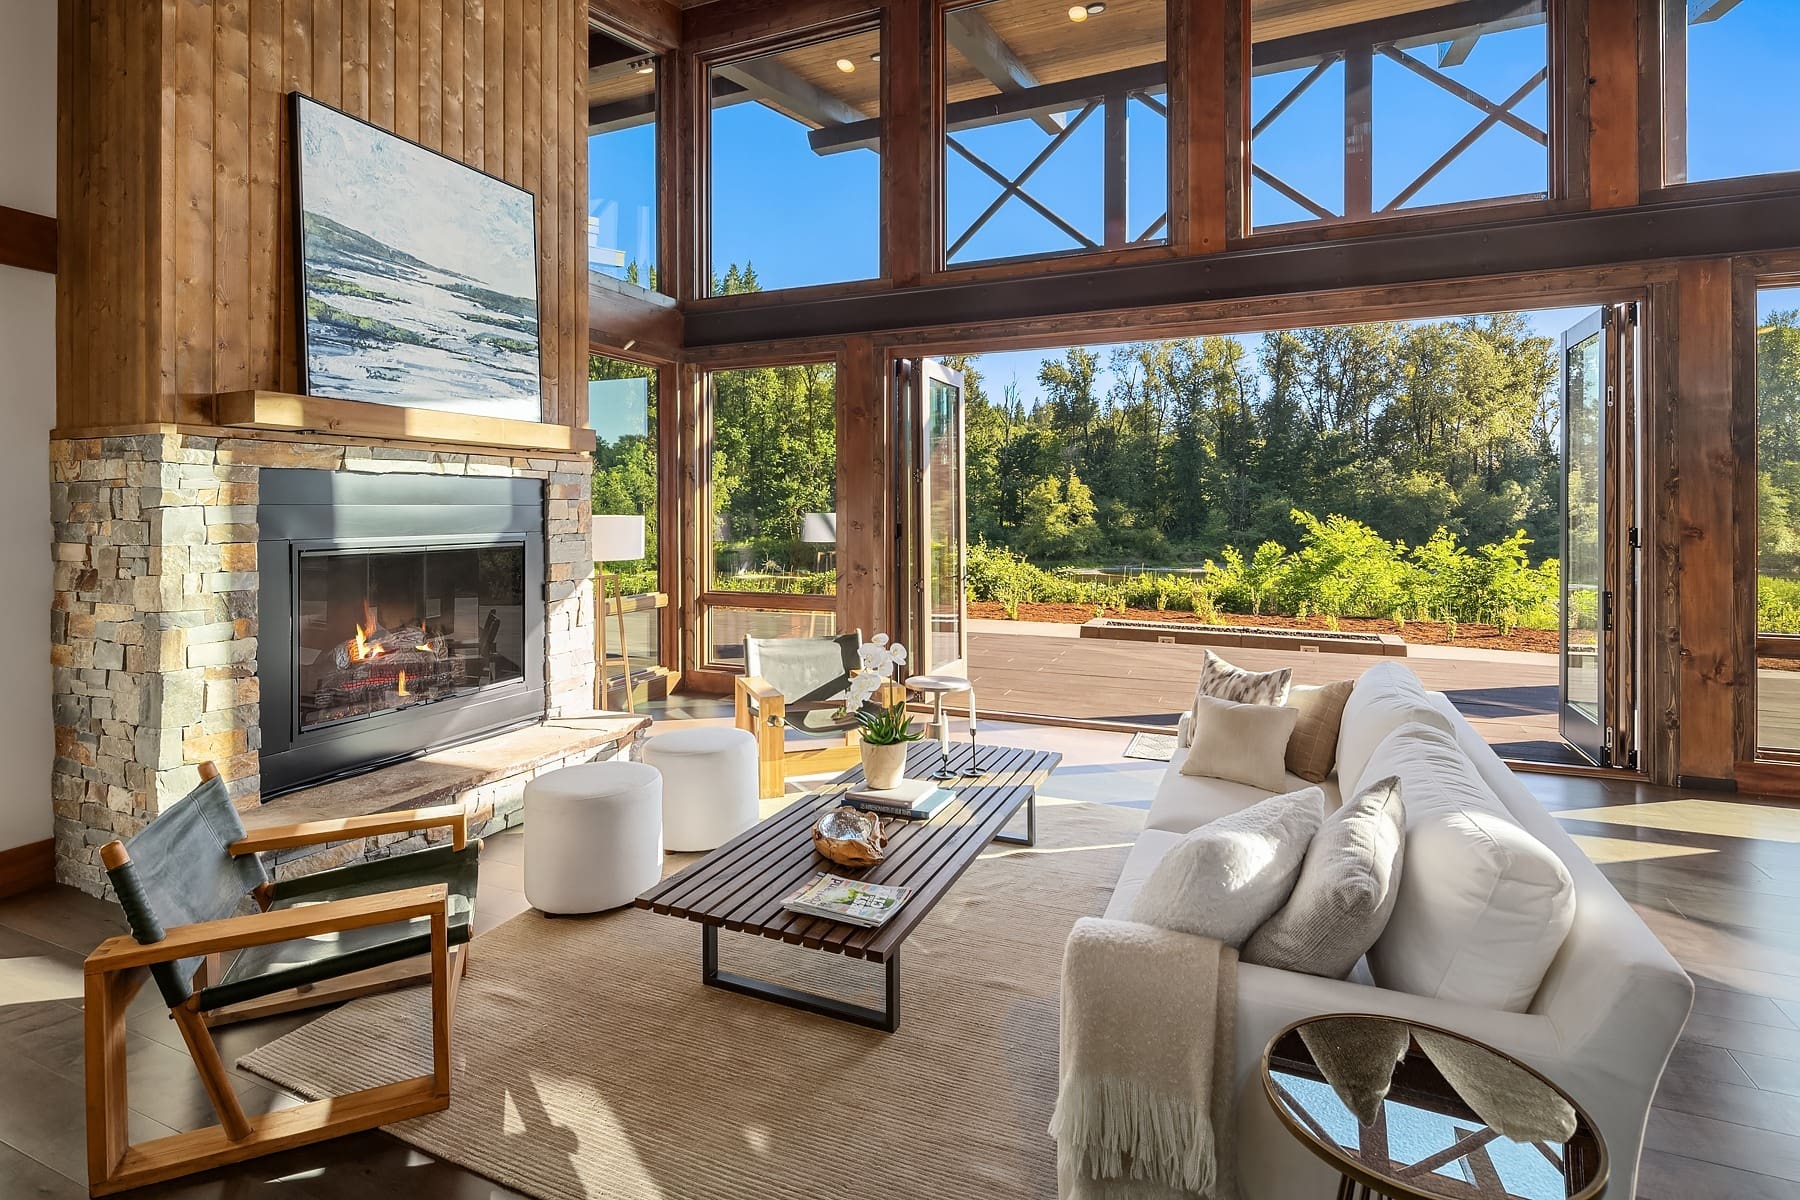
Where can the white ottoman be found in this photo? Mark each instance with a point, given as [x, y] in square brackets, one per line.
[709, 785]
[593, 836]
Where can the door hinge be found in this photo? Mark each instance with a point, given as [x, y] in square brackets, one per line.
[1631, 313]
[1606, 611]
[1635, 538]
[1631, 760]
[1606, 749]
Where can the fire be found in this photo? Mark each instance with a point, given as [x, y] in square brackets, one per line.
[403, 691]
[360, 648]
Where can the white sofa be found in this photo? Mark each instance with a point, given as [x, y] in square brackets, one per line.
[1602, 1023]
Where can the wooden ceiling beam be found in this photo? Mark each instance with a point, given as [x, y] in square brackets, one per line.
[970, 35]
[1704, 228]
[786, 92]
[27, 240]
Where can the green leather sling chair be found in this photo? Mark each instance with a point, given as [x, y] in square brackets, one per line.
[194, 890]
[798, 684]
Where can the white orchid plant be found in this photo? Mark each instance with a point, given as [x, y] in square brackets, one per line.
[885, 725]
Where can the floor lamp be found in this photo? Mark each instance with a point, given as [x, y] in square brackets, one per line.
[616, 539]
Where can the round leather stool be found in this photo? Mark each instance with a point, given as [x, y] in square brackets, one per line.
[593, 836]
[709, 785]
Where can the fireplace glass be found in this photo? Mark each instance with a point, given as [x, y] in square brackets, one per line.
[384, 630]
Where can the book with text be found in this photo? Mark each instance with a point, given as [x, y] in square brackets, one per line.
[912, 799]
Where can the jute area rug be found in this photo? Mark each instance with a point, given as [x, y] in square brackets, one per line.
[590, 1061]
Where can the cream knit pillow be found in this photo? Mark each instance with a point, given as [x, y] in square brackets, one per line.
[1245, 743]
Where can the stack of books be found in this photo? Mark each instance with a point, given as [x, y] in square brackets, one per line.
[911, 800]
[849, 900]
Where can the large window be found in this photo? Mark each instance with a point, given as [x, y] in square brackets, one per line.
[622, 177]
[1057, 135]
[774, 480]
[1444, 105]
[795, 166]
[1778, 519]
[1731, 88]
[622, 400]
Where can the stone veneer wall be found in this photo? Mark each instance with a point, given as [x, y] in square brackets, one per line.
[153, 626]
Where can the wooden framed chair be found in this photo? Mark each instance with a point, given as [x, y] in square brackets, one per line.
[314, 939]
[797, 685]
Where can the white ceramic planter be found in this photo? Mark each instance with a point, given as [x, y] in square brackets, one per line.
[884, 766]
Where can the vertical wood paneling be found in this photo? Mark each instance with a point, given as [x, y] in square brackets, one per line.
[328, 49]
[176, 182]
[511, 115]
[268, 117]
[1706, 462]
[192, 330]
[495, 87]
[383, 65]
[231, 198]
[354, 29]
[407, 44]
[474, 63]
[863, 489]
[431, 73]
[451, 66]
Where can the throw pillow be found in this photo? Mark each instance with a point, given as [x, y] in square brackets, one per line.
[1227, 877]
[1222, 681]
[1483, 906]
[1245, 743]
[1346, 890]
[1386, 697]
[1312, 751]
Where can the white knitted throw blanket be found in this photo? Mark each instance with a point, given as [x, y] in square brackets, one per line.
[1147, 1044]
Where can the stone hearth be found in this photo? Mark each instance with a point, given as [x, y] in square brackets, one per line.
[154, 627]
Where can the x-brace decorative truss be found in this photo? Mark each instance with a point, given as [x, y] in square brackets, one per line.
[1115, 154]
[1359, 134]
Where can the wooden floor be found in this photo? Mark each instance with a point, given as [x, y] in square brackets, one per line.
[1717, 878]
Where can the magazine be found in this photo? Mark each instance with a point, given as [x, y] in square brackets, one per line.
[910, 799]
[849, 900]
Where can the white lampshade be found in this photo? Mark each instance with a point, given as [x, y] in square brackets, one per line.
[618, 538]
[818, 529]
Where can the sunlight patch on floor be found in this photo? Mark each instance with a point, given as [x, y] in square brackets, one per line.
[1714, 818]
[1622, 850]
[33, 979]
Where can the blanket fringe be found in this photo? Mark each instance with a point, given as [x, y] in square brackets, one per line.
[1117, 1130]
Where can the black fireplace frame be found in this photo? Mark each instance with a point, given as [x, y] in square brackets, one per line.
[301, 511]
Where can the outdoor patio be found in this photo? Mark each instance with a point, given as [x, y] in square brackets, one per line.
[1024, 667]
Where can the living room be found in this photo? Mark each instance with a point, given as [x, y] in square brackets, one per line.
[1161, 597]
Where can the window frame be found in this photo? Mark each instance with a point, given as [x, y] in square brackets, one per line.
[937, 183]
[1665, 122]
[661, 156]
[699, 272]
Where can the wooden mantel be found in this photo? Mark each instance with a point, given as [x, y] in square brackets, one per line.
[319, 414]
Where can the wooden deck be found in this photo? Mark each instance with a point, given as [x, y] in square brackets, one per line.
[1509, 698]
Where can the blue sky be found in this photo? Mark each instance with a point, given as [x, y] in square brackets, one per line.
[803, 218]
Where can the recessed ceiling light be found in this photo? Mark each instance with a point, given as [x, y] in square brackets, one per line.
[647, 67]
[845, 65]
[1078, 14]
[875, 57]
[1095, 9]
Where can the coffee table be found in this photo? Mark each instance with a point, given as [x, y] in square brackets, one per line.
[740, 886]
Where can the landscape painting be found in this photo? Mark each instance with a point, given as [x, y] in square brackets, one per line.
[419, 274]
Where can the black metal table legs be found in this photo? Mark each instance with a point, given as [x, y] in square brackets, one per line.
[886, 1018]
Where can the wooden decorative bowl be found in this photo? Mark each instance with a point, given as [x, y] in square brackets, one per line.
[849, 837]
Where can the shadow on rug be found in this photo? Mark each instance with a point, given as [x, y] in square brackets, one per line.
[590, 1061]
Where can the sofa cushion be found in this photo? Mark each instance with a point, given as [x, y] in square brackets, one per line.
[1146, 852]
[1246, 743]
[1386, 697]
[1483, 906]
[1225, 879]
[1312, 750]
[1223, 681]
[1346, 891]
[1185, 802]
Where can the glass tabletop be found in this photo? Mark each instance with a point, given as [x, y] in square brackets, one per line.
[1424, 1114]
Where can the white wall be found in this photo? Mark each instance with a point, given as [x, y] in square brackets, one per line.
[27, 412]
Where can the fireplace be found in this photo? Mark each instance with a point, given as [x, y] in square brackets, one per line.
[397, 614]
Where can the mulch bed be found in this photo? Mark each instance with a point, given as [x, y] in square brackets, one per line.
[1418, 633]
